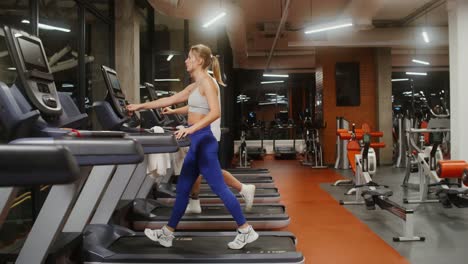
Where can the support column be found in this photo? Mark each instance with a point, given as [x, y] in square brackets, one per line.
[458, 55]
[383, 61]
[127, 48]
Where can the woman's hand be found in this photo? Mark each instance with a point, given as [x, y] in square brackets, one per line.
[133, 107]
[168, 111]
[183, 132]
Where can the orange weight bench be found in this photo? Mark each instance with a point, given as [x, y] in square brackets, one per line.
[448, 196]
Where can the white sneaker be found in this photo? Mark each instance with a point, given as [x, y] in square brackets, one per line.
[243, 238]
[248, 193]
[193, 207]
[164, 238]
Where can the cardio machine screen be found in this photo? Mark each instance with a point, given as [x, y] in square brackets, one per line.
[32, 55]
[114, 81]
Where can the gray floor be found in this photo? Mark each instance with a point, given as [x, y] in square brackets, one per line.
[446, 230]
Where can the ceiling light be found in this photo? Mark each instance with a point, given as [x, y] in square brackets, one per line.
[11, 68]
[48, 27]
[170, 57]
[420, 62]
[416, 73]
[425, 36]
[167, 80]
[400, 80]
[207, 24]
[275, 75]
[329, 26]
[267, 82]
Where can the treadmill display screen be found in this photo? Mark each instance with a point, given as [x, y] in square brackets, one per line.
[32, 55]
[114, 81]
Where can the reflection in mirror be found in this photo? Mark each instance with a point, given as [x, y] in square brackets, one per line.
[7, 69]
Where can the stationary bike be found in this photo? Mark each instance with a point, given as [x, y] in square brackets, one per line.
[313, 153]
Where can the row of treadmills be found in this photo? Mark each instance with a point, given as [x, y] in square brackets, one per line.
[96, 175]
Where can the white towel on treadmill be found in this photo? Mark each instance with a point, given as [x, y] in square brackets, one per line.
[158, 164]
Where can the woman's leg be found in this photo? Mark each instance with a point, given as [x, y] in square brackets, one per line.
[209, 167]
[246, 190]
[188, 175]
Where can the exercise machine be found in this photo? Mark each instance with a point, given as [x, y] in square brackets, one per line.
[370, 193]
[341, 161]
[313, 152]
[104, 243]
[282, 122]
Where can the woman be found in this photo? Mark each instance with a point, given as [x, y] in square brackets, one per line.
[246, 190]
[202, 157]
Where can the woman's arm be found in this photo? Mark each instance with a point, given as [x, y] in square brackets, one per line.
[181, 110]
[163, 102]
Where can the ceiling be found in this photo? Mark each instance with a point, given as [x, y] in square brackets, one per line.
[252, 25]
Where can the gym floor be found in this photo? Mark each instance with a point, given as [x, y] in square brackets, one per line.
[330, 233]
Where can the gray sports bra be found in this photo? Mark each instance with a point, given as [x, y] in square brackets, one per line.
[198, 103]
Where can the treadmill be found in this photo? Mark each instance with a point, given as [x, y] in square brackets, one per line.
[156, 213]
[111, 115]
[284, 123]
[33, 115]
[255, 152]
[104, 243]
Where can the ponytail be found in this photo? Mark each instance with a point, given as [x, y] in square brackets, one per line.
[217, 70]
[209, 60]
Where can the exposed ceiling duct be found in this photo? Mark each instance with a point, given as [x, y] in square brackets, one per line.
[284, 16]
[362, 12]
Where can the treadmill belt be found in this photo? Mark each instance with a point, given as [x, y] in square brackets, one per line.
[244, 179]
[206, 191]
[203, 245]
[221, 210]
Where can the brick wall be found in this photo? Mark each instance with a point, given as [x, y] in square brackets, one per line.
[366, 112]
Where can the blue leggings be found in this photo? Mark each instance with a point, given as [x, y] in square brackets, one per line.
[202, 157]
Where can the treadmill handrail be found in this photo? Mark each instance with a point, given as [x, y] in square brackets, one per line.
[23, 165]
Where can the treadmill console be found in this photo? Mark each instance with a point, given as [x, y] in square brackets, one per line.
[161, 119]
[33, 71]
[115, 95]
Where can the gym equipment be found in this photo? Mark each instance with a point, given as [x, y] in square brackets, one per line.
[105, 243]
[32, 165]
[243, 154]
[428, 157]
[282, 122]
[369, 193]
[255, 152]
[341, 154]
[313, 153]
[354, 147]
[437, 121]
[155, 117]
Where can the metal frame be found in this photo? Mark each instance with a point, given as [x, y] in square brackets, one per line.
[424, 169]
[406, 215]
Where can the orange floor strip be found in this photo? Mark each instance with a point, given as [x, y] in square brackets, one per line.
[326, 232]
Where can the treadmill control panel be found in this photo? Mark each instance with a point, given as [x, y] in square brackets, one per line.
[35, 76]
